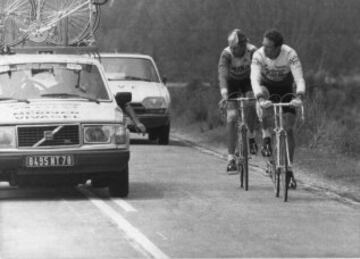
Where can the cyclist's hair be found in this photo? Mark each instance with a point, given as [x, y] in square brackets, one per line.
[275, 36]
[235, 37]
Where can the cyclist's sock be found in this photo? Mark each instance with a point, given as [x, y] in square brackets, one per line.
[230, 157]
[266, 133]
[266, 150]
[251, 134]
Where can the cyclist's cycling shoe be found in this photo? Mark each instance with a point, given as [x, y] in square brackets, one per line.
[253, 146]
[266, 150]
[292, 181]
[231, 167]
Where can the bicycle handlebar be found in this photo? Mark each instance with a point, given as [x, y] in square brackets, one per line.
[290, 105]
[241, 99]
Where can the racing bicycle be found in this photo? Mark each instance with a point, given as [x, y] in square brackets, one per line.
[242, 146]
[278, 165]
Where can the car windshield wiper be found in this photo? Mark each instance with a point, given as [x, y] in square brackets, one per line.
[67, 95]
[14, 99]
[135, 78]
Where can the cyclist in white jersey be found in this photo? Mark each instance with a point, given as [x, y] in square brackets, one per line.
[234, 80]
[274, 70]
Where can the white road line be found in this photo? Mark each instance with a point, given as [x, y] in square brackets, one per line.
[124, 205]
[137, 239]
[120, 202]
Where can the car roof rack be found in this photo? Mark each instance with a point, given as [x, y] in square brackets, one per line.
[93, 50]
[70, 31]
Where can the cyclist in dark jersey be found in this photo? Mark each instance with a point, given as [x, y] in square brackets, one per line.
[274, 70]
[234, 79]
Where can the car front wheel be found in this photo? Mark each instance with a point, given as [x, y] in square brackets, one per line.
[119, 185]
[164, 133]
[153, 135]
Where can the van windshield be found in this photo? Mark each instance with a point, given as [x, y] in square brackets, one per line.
[132, 69]
[56, 80]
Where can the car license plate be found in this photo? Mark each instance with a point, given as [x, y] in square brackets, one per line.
[49, 161]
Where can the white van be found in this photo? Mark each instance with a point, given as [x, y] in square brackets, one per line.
[138, 74]
[59, 123]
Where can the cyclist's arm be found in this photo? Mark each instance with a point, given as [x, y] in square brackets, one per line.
[131, 113]
[296, 70]
[255, 75]
[223, 71]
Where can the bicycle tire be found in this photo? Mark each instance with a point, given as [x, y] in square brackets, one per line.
[277, 183]
[245, 157]
[239, 162]
[90, 33]
[284, 174]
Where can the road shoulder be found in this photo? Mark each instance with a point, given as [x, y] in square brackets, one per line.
[334, 176]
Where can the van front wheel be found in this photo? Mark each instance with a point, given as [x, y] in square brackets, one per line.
[164, 133]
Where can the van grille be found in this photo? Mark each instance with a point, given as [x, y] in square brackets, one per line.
[43, 136]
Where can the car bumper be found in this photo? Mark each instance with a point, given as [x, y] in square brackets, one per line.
[85, 163]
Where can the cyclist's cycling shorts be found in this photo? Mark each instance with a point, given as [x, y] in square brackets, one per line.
[280, 92]
[238, 88]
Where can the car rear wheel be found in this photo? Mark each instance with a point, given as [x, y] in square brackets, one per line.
[152, 135]
[164, 133]
[119, 185]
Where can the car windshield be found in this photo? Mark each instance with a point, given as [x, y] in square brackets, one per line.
[136, 69]
[51, 80]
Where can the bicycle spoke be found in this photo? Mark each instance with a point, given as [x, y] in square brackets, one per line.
[16, 17]
[70, 19]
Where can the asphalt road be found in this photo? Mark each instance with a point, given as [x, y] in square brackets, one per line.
[181, 205]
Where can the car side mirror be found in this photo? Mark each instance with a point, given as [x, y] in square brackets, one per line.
[164, 79]
[123, 98]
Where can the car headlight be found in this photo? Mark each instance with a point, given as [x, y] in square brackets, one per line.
[154, 103]
[104, 134]
[7, 137]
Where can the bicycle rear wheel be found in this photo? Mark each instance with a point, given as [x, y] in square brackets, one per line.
[245, 157]
[15, 18]
[277, 182]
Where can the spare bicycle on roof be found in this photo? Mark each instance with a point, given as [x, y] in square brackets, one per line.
[53, 22]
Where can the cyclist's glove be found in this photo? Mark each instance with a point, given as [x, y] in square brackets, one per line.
[265, 103]
[296, 102]
[224, 93]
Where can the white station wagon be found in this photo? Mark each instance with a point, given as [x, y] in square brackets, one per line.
[59, 122]
[138, 74]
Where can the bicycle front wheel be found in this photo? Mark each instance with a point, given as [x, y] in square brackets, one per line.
[69, 21]
[284, 161]
[245, 157]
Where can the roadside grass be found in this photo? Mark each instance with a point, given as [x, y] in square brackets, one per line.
[328, 139]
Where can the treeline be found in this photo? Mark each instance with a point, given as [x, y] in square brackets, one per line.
[187, 36]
